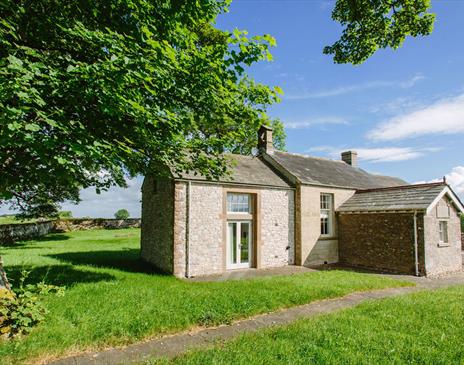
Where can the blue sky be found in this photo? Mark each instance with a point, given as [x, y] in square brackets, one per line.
[402, 110]
[329, 107]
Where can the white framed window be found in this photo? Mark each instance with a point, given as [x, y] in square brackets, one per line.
[238, 203]
[443, 229]
[326, 214]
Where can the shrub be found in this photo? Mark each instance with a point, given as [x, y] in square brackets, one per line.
[21, 309]
[121, 214]
[65, 214]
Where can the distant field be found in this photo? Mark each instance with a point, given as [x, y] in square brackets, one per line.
[10, 219]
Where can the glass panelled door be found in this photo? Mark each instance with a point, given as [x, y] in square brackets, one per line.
[239, 244]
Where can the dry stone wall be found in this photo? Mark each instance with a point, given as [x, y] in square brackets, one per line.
[83, 224]
[10, 233]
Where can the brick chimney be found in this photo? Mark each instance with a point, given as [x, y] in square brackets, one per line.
[350, 157]
[265, 140]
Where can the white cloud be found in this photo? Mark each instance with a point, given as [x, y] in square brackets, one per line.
[314, 122]
[104, 205]
[396, 106]
[341, 90]
[456, 179]
[392, 154]
[375, 155]
[444, 117]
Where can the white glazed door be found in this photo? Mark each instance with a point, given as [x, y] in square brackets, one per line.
[239, 244]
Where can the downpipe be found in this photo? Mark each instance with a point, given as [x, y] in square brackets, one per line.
[416, 247]
[187, 231]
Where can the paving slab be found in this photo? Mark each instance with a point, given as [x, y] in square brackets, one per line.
[171, 346]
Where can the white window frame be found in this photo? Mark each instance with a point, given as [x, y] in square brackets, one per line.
[326, 212]
[248, 211]
[443, 233]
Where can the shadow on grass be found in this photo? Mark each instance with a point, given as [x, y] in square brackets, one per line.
[54, 237]
[26, 244]
[124, 260]
[61, 275]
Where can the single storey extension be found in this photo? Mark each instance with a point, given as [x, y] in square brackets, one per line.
[377, 227]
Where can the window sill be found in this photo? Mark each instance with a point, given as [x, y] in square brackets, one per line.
[239, 216]
[442, 244]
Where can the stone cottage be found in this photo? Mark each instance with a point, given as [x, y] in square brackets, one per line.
[192, 227]
[280, 208]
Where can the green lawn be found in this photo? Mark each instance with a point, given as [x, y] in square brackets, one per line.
[10, 219]
[113, 299]
[420, 328]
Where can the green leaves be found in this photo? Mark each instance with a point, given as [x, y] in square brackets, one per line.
[370, 25]
[120, 87]
[22, 309]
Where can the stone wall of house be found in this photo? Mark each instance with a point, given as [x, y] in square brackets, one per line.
[10, 233]
[158, 223]
[83, 224]
[317, 250]
[180, 229]
[207, 222]
[440, 257]
[206, 252]
[381, 241]
[277, 227]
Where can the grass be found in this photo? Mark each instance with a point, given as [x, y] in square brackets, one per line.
[10, 219]
[420, 328]
[113, 299]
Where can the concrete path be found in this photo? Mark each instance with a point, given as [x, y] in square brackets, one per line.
[253, 273]
[174, 345]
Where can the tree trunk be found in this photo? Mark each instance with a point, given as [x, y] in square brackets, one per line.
[3, 279]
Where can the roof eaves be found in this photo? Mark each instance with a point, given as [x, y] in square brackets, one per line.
[400, 187]
[328, 186]
[217, 182]
[378, 211]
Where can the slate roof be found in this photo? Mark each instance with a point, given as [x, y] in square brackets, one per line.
[246, 170]
[321, 171]
[409, 197]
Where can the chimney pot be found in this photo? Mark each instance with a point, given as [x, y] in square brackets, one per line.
[265, 144]
[350, 157]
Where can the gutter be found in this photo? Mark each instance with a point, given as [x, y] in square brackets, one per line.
[232, 183]
[416, 248]
[187, 231]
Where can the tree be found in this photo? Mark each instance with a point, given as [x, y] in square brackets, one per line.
[94, 91]
[370, 25]
[65, 214]
[121, 214]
